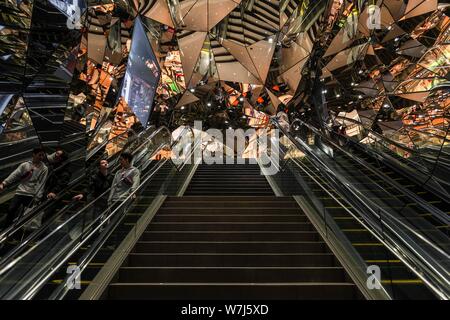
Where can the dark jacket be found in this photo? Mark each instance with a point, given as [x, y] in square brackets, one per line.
[98, 184]
[58, 179]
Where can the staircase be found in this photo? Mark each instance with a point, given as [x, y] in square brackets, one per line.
[229, 237]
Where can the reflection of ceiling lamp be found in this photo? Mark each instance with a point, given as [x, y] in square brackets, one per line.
[241, 99]
[360, 97]
[192, 90]
[360, 72]
[182, 107]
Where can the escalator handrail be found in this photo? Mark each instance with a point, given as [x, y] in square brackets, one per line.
[17, 226]
[437, 213]
[409, 163]
[5, 266]
[388, 140]
[104, 143]
[350, 188]
[12, 143]
[405, 127]
[10, 230]
[87, 257]
[344, 241]
[441, 284]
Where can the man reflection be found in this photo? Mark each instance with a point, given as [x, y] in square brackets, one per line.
[99, 183]
[31, 176]
[126, 180]
[58, 180]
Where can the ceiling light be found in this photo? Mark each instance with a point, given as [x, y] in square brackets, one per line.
[360, 72]
[360, 97]
[338, 95]
[324, 91]
[192, 90]
[209, 104]
[241, 99]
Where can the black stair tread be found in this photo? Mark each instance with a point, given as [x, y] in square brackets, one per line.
[231, 275]
[235, 291]
[240, 283]
[229, 246]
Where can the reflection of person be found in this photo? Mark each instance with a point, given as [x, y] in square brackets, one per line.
[125, 181]
[58, 179]
[32, 175]
[60, 176]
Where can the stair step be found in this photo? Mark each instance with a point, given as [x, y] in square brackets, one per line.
[226, 204]
[229, 226]
[229, 210]
[227, 291]
[230, 218]
[228, 235]
[231, 259]
[230, 246]
[236, 274]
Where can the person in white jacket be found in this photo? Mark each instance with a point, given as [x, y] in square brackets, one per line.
[31, 176]
[125, 181]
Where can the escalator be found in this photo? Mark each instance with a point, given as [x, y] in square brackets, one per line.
[333, 200]
[416, 188]
[387, 191]
[421, 173]
[349, 164]
[229, 237]
[199, 231]
[64, 206]
[38, 270]
[129, 221]
[396, 277]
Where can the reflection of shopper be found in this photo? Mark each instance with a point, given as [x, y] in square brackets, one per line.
[32, 175]
[60, 176]
[58, 180]
[125, 181]
[99, 183]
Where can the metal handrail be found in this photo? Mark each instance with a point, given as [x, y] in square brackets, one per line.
[432, 273]
[59, 293]
[388, 140]
[8, 265]
[10, 230]
[439, 214]
[87, 206]
[408, 163]
[379, 294]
